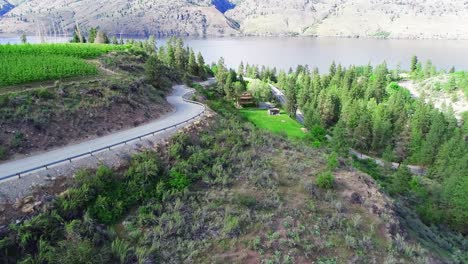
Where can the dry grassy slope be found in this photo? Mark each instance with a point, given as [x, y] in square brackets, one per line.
[400, 18]
[121, 16]
[278, 17]
[355, 18]
[363, 18]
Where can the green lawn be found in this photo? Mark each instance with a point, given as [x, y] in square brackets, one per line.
[276, 124]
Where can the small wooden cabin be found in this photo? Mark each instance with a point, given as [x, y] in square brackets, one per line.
[274, 111]
[246, 99]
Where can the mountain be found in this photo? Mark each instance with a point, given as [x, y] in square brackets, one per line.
[179, 17]
[354, 18]
[342, 18]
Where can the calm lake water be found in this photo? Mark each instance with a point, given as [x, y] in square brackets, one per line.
[320, 52]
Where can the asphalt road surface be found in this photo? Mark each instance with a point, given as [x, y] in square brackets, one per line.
[183, 112]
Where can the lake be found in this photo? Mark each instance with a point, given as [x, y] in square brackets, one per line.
[285, 52]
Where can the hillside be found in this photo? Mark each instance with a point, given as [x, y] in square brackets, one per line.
[238, 185]
[342, 18]
[196, 200]
[160, 18]
[55, 94]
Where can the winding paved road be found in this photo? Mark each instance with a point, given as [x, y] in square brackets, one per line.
[183, 111]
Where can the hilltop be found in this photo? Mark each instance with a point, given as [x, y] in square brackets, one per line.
[339, 18]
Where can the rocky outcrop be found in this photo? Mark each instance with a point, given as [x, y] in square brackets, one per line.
[5, 7]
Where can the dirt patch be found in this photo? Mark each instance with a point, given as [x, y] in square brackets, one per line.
[361, 190]
[39, 199]
[243, 256]
[83, 124]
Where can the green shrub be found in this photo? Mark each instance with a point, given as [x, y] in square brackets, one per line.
[178, 180]
[318, 133]
[332, 161]
[44, 94]
[325, 180]
[400, 181]
[246, 200]
[17, 140]
[4, 100]
[47, 226]
[3, 153]
[231, 224]
[120, 249]
[455, 196]
[144, 172]
[106, 210]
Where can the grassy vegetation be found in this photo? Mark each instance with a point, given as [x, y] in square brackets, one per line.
[381, 34]
[412, 196]
[247, 196]
[39, 62]
[37, 116]
[281, 124]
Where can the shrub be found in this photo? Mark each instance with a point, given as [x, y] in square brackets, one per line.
[17, 140]
[318, 133]
[44, 94]
[231, 224]
[332, 161]
[106, 210]
[3, 153]
[178, 180]
[143, 173]
[325, 180]
[400, 181]
[120, 249]
[246, 200]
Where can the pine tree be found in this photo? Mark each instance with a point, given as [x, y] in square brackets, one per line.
[291, 97]
[192, 64]
[400, 181]
[201, 66]
[170, 56]
[150, 45]
[402, 143]
[414, 63]
[221, 74]
[240, 70]
[434, 139]
[24, 40]
[92, 35]
[180, 55]
[332, 70]
[75, 38]
[340, 140]
[156, 73]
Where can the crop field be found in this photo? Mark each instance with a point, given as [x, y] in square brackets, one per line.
[84, 51]
[26, 63]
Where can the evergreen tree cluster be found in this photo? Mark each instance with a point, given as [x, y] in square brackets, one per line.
[364, 108]
[174, 57]
[94, 36]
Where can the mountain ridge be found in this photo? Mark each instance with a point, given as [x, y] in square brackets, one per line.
[400, 19]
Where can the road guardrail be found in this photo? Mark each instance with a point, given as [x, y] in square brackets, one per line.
[109, 147]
